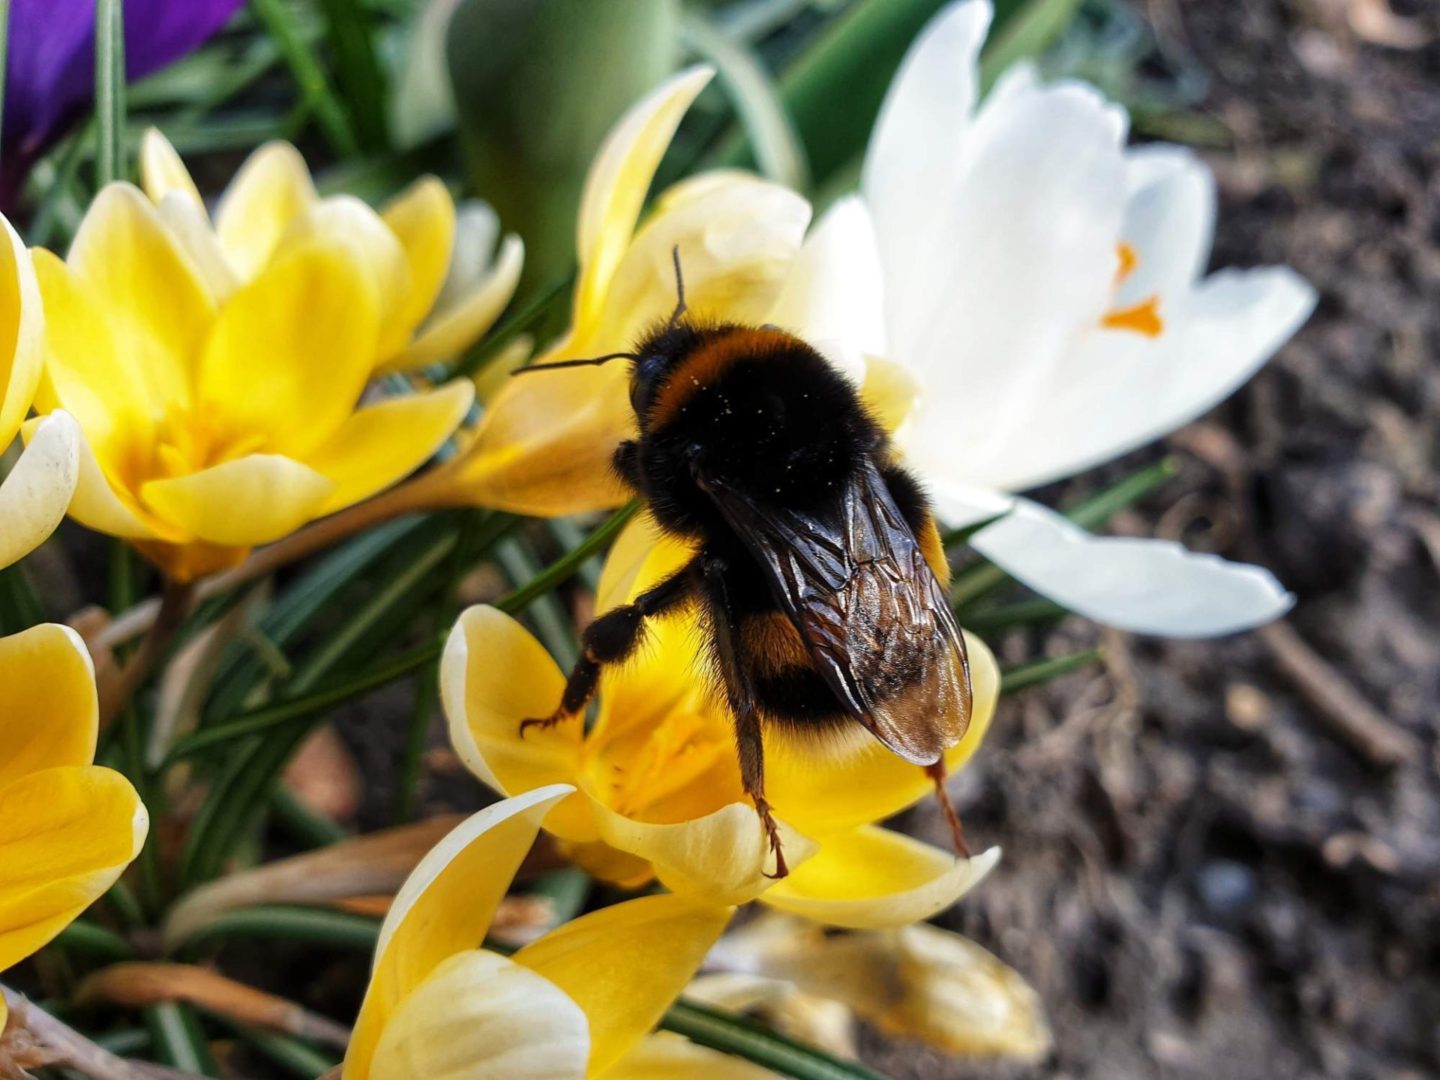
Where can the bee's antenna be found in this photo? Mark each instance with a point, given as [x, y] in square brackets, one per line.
[679, 288]
[587, 362]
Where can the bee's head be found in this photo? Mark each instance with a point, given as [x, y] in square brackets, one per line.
[647, 374]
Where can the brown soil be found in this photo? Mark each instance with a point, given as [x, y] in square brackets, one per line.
[1208, 872]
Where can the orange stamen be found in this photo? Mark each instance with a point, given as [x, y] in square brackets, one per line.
[1142, 318]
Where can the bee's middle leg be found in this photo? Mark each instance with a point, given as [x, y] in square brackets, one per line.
[613, 637]
[740, 696]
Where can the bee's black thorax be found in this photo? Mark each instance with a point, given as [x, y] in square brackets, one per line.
[755, 407]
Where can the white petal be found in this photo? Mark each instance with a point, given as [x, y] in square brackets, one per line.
[1146, 586]
[956, 502]
[1119, 390]
[481, 1017]
[1169, 221]
[910, 163]
[33, 497]
[1007, 269]
[833, 296]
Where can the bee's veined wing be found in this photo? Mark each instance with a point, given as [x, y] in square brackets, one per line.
[877, 623]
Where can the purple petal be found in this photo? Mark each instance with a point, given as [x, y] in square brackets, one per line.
[50, 76]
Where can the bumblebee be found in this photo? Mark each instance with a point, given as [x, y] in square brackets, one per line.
[818, 568]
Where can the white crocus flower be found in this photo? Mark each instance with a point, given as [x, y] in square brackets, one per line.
[1026, 295]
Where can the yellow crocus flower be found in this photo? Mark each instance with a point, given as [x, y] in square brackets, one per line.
[67, 827]
[544, 445]
[34, 495]
[658, 783]
[915, 982]
[438, 287]
[220, 413]
[576, 1003]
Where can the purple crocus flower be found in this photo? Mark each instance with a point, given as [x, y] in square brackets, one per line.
[50, 76]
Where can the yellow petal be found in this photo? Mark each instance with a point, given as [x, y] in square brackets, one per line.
[162, 172]
[890, 391]
[22, 328]
[494, 675]
[293, 350]
[738, 238]
[251, 500]
[871, 878]
[667, 1056]
[158, 308]
[422, 217]
[954, 995]
[722, 857]
[101, 505]
[445, 907]
[544, 446]
[625, 964]
[917, 982]
[47, 699]
[191, 229]
[480, 1016]
[858, 781]
[384, 442]
[65, 835]
[640, 556]
[620, 179]
[34, 496]
[85, 373]
[454, 327]
[269, 192]
[374, 249]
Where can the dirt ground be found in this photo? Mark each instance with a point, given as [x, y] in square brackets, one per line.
[1217, 863]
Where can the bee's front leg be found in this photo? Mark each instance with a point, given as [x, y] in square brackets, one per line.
[613, 637]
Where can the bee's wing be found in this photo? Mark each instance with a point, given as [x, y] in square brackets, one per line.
[877, 623]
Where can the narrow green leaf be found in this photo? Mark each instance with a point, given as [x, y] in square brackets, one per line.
[566, 566]
[1099, 508]
[1036, 26]
[756, 99]
[176, 1034]
[92, 940]
[277, 922]
[110, 89]
[292, 1056]
[310, 827]
[126, 1042]
[305, 66]
[19, 606]
[553, 625]
[743, 1038]
[1035, 672]
[1021, 613]
[541, 304]
[350, 29]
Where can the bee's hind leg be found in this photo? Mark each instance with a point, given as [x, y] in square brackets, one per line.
[613, 637]
[740, 696]
[937, 773]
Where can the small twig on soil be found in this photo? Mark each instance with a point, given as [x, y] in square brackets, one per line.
[1337, 702]
[175, 603]
[56, 1042]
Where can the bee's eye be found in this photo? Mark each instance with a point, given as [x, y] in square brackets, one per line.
[642, 383]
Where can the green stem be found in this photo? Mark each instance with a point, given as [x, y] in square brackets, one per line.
[110, 88]
[732, 1035]
[1036, 672]
[305, 66]
[4, 52]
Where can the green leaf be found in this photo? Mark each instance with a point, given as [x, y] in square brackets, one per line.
[278, 922]
[756, 98]
[350, 29]
[570, 562]
[1024, 676]
[316, 91]
[541, 304]
[1036, 26]
[743, 1038]
[292, 1056]
[92, 940]
[19, 606]
[176, 1035]
[110, 88]
[1021, 613]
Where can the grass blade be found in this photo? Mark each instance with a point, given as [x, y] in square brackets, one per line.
[110, 89]
[731, 1034]
[315, 88]
[1024, 676]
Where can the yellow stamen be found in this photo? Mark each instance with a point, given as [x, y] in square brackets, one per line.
[1142, 318]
